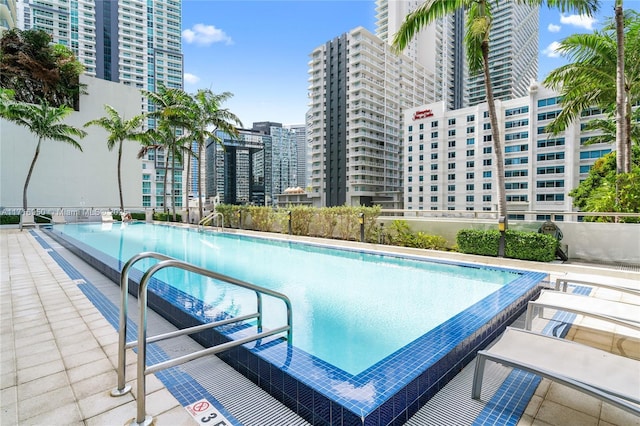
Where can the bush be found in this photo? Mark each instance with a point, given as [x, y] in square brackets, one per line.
[522, 245]
[301, 218]
[401, 235]
[163, 217]
[9, 219]
[262, 217]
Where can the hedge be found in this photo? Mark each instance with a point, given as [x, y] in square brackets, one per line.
[522, 245]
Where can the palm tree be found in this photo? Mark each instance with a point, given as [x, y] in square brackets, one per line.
[478, 30]
[119, 130]
[591, 79]
[45, 123]
[172, 113]
[206, 118]
[621, 134]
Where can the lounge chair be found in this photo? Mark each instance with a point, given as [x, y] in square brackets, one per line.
[625, 314]
[58, 219]
[107, 217]
[563, 283]
[27, 220]
[612, 378]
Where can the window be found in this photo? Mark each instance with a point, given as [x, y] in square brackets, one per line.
[486, 198]
[434, 177]
[486, 126]
[434, 167]
[486, 186]
[421, 147]
[471, 175]
[470, 141]
[434, 135]
[471, 164]
[487, 150]
[516, 136]
[434, 124]
[516, 173]
[594, 154]
[434, 156]
[487, 138]
[421, 126]
[470, 198]
[548, 101]
[470, 187]
[551, 156]
[451, 166]
[451, 198]
[452, 144]
[434, 188]
[434, 145]
[451, 188]
[486, 162]
[550, 197]
[451, 176]
[451, 154]
[516, 148]
[452, 122]
[516, 111]
[486, 174]
[551, 170]
[471, 118]
[452, 132]
[471, 152]
[516, 185]
[551, 142]
[550, 184]
[516, 123]
[471, 129]
[548, 115]
[434, 199]
[511, 161]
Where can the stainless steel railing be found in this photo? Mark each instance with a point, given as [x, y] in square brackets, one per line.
[209, 217]
[141, 343]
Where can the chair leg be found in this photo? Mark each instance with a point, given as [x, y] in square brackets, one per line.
[477, 376]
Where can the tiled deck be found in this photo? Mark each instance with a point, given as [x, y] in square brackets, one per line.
[59, 354]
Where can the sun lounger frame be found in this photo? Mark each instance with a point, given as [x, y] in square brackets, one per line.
[540, 362]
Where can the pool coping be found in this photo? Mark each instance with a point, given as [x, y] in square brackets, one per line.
[348, 398]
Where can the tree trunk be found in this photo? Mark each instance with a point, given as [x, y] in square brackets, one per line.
[166, 177]
[495, 132]
[173, 181]
[120, 179]
[621, 136]
[26, 182]
[188, 186]
[200, 209]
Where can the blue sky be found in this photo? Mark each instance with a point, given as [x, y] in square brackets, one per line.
[259, 50]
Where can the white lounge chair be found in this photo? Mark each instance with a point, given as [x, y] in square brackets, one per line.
[625, 314]
[563, 283]
[58, 219]
[27, 220]
[107, 217]
[612, 378]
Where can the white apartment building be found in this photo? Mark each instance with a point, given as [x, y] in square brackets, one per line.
[134, 42]
[358, 92]
[449, 159]
[439, 47]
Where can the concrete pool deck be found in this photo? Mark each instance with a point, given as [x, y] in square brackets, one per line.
[58, 353]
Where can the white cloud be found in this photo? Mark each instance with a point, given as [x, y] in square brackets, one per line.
[191, 78]
[551, 51]
[581, 21]
[553, 28]
[205, 35]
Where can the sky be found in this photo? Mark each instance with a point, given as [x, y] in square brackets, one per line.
[258, 50]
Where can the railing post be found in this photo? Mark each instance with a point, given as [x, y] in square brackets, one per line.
[361, 220]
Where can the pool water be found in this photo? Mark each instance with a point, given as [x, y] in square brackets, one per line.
[350, 309]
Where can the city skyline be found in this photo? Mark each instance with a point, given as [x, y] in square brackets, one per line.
[263, 57]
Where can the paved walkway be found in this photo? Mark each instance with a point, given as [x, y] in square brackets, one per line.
[58, 356]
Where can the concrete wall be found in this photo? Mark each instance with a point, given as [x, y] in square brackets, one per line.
[64, 176]
[586, 240]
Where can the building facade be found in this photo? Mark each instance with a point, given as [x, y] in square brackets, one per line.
[439, 47]
[450, 161]
[300, 132]
[358, 91]
[253, 168]
[8, 15]
[137, 43]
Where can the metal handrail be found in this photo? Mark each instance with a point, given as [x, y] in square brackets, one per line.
[141, 343]
[209, 217]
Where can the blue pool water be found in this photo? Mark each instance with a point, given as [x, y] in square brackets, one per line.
[375, 335]
[350, 309]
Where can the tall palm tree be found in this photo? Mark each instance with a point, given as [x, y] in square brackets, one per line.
[478, 30]
[170, 110]
[591, 79]
[621, 134]
[206, 118]
[119, 131]
[45, 123]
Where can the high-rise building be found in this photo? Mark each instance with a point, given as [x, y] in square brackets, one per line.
[8, 15]
[253, 168]
[300, 131]
[358, 90]
[439, 47]
[449, 159]
[135, 42]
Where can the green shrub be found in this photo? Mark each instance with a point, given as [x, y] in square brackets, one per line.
[138, 216]
[301, 218]
[524, 245]
[262, 217]
[162, 217]
[327, 219]
[230, 214]
[9, 219]
[431, 242]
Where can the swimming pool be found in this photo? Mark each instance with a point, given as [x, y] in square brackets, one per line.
[373, 335]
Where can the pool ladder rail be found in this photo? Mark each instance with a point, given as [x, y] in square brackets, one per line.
[142, 369]
[208, 218]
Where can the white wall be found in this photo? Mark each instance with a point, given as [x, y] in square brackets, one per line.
[590, 241]
[64, 176]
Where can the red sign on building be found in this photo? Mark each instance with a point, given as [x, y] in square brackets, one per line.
[422, 114]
